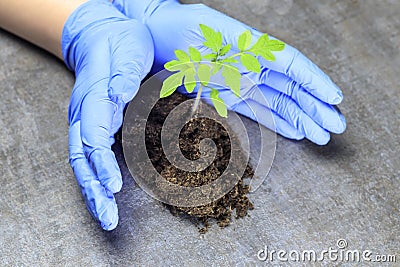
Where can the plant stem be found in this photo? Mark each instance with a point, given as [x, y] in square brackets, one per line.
[197, 101]
[235, 55]
[218, 59]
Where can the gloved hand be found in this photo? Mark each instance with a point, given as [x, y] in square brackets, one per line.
[110, 55]
[300, 96]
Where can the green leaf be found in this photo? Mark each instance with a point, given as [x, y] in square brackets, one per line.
[244, 40]
[224, 50]
[189, 80]
[213, 38]
[182, 56]
[264, 46]
[170, 84]
[260, 46]
[194, 54]
[211, 57]
[204, 73]
[218, 103]
[275, 45]
[232, 78]
[267, 55]
[171, 64]
[175, 65]
[216, 67]
[250, 62]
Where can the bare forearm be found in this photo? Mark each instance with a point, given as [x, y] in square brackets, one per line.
[38, 21]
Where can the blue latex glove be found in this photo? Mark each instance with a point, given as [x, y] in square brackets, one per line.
[110, 55]
[300, 96]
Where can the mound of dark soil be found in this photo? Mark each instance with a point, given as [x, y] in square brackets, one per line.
[190, 136]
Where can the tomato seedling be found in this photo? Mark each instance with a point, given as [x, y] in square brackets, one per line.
[192, 68]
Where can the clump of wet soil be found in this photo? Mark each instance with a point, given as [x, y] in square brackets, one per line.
[221, 210]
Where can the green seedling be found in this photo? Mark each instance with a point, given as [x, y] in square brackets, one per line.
[192, 67]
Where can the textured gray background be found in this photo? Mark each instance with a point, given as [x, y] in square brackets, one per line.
[313, 195]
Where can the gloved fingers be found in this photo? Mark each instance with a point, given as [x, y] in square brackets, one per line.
[322, 113]
[132, 57]
[299, 68]
[274, 122]
[97, 114]
[325, 115]
[290, 111]
[99, 201]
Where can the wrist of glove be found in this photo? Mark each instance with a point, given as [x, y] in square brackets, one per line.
[86, 18]
[140, 9]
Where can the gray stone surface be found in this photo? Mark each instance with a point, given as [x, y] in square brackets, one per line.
[312, 197]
